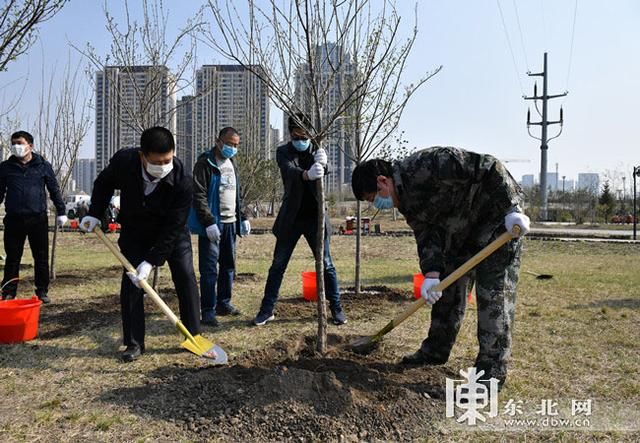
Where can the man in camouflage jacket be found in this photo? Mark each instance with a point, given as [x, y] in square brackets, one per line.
[456, 203]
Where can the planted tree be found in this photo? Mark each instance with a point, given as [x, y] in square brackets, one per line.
[62, 125]
[319, 58]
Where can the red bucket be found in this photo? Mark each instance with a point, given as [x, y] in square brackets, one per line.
[417, 284]
[309, 287]
[73, 224]
[19, 320]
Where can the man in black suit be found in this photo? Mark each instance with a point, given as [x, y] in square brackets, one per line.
[155, 199]
[298, 216]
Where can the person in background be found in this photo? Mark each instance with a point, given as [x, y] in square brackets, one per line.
[217, 219]
[24, 177]
[298, 216]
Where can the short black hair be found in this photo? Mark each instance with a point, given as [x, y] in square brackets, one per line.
[226, 131]
[158, 140]
[364, 178]
[22, 134]
[299, 121]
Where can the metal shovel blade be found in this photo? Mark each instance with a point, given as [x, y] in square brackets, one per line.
[206, 349]
[365, 345]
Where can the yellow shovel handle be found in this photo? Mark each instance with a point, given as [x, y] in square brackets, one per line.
[143, 283]
[455, 275]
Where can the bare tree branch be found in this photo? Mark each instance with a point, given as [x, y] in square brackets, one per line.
[19, 20]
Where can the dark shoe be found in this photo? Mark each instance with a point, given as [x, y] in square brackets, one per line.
[419, 358]
[8, 296]
[489, 373]
[44, 299]
[338, 317]
[228, 310]
[213, 322]
[132, 353]
[262, 318]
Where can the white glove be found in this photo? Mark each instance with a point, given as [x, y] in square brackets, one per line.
[245, 227]
[315, 172]
[213, 233]
[516, 218]
[61, 220]
[142, 272]
[88, 223]
[427, 294]
[320, 156]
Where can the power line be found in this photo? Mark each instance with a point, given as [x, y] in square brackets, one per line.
[513, 58]
[524, 51]
[573, 32]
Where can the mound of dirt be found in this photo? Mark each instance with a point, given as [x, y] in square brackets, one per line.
[287, 392]
[378, 292]
[370, 298]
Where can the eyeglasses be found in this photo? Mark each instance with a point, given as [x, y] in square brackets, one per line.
[299, 138]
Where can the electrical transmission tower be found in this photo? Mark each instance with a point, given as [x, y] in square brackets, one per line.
[544, 123]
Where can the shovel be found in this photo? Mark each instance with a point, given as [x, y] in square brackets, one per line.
[198, 344]
[365, 345]
[539, 276]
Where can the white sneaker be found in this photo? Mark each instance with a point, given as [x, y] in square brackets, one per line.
[262, 319]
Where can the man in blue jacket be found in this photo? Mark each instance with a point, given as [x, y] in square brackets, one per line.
[155, 196]
[23, 179]
[217, 219]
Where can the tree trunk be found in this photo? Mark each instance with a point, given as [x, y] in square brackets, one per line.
[322, 308]
[52, 268]
[358, 251]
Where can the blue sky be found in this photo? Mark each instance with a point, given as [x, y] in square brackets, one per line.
[475, 102]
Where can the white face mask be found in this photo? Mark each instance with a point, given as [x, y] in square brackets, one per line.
[159, 171]
[20, 150]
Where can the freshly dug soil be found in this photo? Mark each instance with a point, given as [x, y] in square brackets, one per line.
[356, 306]
[287, 392]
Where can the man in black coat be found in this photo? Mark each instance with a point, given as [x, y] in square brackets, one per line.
[298, 216]
[23, 179]
[155, 199]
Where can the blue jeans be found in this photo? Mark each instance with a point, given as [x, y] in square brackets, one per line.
[222, 253]
[281, 255]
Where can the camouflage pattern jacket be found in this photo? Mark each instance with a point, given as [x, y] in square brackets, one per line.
[455, 202]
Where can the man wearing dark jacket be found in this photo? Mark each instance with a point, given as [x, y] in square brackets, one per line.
[298, 216]
[23, 179]
[155, 196]
[215, 216]
[456, 202]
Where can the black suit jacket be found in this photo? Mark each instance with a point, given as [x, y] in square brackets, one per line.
[156, 220]
[292, 164]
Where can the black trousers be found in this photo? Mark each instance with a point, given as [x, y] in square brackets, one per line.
[17, 228]
[180, 262]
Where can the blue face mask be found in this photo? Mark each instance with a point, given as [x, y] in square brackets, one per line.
[301, 145]
[382, 202]
[228, 151]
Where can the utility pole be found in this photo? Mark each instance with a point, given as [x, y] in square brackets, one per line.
[636, 173]
[544, 123]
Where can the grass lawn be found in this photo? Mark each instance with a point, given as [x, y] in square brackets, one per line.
[576, 337]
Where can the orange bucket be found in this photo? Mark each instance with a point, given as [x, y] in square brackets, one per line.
[19, 320]
[73, 224]
[417, 284]
[309, 287]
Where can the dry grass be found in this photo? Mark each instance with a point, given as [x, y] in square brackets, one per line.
[576, 337]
